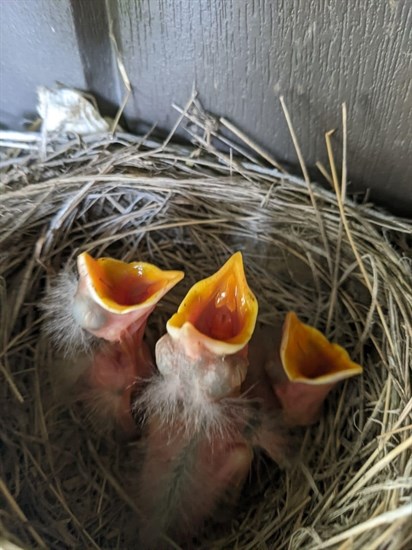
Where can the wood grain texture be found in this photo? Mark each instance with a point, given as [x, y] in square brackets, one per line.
[242, 56]
[94, 45]
[37, 47]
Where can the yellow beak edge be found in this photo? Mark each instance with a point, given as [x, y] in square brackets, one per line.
[313, 366]
[218, 312]
[120, 287]
[307, 355]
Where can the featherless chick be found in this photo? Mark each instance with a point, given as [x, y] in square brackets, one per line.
[197, 452]
[301, 366]
[111, 302]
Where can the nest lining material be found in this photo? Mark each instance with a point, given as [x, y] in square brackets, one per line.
[62, 485]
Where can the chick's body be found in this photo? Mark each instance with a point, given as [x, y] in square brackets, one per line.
[197, 451]
[185, 477]
[116, 372]
[107, 308]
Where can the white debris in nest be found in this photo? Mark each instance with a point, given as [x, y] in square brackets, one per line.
[7, 545]
[64, 110]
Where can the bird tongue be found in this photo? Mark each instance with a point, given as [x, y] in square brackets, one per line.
[220, 319]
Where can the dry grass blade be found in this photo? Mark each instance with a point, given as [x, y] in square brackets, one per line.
[343, 266]
[20, 514]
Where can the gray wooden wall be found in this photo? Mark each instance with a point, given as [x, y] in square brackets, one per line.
[241, 55]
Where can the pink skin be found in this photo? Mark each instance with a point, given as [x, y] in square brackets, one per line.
[196, 454]
[300, 402]
[207, 375]
[116, 372]
[183, 480]
[118, 366]
[103, 323]
[196, 457]
[117, 369]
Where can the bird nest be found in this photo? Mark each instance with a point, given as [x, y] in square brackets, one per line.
[342, 266]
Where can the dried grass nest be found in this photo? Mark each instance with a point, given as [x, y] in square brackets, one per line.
[343, 267]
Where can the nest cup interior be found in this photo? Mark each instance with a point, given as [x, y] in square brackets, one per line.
[64, 485]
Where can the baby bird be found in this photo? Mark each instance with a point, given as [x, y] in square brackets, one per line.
[302, 367]
[112, 302]
[196, 447]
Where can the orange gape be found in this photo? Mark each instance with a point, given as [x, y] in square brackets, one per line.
[308, 356]
[219, 316]
[310, 366]
[114, 296]
[121, 286]
[218, 313]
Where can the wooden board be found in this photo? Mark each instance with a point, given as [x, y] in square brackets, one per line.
[241, 56]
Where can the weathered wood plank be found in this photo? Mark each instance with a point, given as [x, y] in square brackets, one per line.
[243, 55]
[37, 47]
[96, 53]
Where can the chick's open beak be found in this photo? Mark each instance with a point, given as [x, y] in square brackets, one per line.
[312, 366]
[114, 296]
[218, 313]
